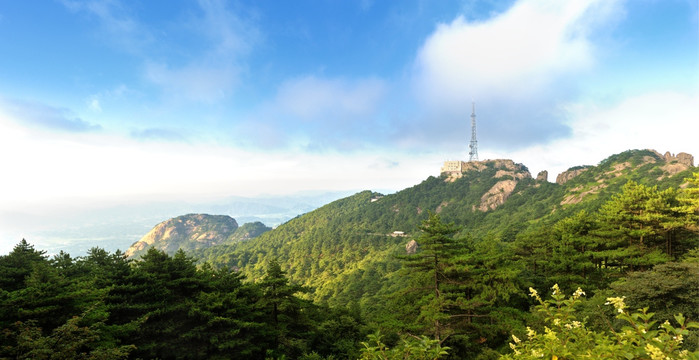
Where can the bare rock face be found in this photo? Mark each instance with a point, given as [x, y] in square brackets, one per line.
[542, 176]
[411, 247]
[497, 195]
[566, 176]
[682, 158]
[514, 174]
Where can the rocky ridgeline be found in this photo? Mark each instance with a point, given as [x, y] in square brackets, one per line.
[677, 163]
[673, 164]
[668, 163]
[568, 175]
[510, 173]
[681, 158]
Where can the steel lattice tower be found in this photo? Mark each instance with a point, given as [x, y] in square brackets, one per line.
[473, 152]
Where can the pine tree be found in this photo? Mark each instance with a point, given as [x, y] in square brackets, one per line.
[435, 259]
[572, 263]
[285, 312]
[631, 224]
[18, 264]
[687, 216]
[227, 325]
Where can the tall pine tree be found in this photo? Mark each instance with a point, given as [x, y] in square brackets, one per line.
[436, 259]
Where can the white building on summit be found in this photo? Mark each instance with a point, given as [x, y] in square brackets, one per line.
[450, 166]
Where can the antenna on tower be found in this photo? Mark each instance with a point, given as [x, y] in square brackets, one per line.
[473, 152]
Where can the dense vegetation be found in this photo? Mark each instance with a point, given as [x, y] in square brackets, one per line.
[104, 306]
[337, 282]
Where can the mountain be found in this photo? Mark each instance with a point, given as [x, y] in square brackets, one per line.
[346, 250]
[194, 231]
[75, 229]
[448, 259]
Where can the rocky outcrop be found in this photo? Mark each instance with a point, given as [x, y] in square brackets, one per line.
[411, 247]
[542, 176]
[187, 232]
[672, 169]
[682, 158]
[497, 195]
[507, 172]
[513, 174]
[674, 163]
[569, 174]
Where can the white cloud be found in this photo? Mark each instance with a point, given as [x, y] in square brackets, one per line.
[519, 54]
[518, 66]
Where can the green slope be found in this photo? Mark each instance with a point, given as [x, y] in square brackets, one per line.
[346, 250]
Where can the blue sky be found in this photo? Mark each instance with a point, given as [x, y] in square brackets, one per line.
[103, 102]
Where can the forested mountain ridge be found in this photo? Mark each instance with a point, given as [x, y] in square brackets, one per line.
[194, 231]
[339, 247]
[629, 240]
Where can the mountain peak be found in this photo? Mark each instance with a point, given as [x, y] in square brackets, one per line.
[187, 232]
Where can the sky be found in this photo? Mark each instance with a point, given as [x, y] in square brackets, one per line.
[106, 102]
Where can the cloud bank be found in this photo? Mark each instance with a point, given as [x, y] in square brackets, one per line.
[513, 65]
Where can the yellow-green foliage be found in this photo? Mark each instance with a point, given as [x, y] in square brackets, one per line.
[417, 348]
[567, 337]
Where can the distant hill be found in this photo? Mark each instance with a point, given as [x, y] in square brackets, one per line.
[248, 231]
[346, 250]
[117, 226]
[195, 231]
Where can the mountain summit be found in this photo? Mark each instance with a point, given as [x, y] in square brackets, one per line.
[194, 231]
